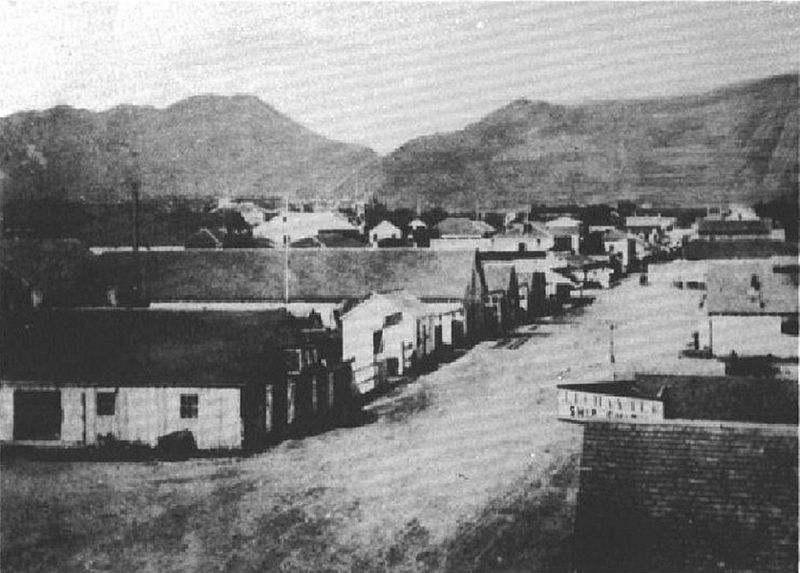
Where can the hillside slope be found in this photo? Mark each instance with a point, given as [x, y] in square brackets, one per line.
[738, 143]
[201, 146]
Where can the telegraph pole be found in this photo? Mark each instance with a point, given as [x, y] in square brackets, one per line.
[611, 344]
[286, 255]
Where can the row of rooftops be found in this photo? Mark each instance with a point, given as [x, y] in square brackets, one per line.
[260, 274]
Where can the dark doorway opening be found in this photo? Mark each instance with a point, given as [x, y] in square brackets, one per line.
[37, 415]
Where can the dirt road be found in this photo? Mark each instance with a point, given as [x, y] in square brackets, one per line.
[463, 469]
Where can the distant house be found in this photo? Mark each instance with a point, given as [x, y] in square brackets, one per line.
[566, 233]
[618, 244]
[649, 228]
[539, 263]
[417, 225]
[528, 236]
[752, 308]
[460, 233]
[319, 280]
[384, 231]
[503, 296]
[297, 226]
[389, 333]
[233, 380]
[585, 271]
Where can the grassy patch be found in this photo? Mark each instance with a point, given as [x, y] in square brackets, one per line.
[528, 529]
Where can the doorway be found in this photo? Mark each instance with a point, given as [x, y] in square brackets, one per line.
[37, 415]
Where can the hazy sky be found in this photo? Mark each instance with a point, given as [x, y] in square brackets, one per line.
[380, 74]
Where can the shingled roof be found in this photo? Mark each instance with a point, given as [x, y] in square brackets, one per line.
[314, 274]
[139, 346]
[750, 288]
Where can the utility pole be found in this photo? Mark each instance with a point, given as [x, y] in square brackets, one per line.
[611, 344]
[286, 255]
[710, 337]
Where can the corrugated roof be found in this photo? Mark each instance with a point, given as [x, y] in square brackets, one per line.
[314, 274]
[749, 287]
[134, 347]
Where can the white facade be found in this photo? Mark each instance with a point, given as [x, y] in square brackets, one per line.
[461, 244]
[140, 415]
[749, 335]
[520, 243]
[384, 230]
[393, 327]
[614, 246]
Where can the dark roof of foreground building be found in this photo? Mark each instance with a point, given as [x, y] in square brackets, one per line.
[751, 288]
[314, 274]
[687, 496]
[741, 399]
[144, 347]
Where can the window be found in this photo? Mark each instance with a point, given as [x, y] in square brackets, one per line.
[393, 319]
[292, 360]
[106, 403]
[377, 342]
[789, 326]
[189, 406]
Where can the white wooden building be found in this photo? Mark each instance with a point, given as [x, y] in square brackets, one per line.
[388, 333]
[383, 231]
[35, 412]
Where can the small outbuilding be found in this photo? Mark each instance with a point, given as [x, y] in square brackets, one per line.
[384, 231]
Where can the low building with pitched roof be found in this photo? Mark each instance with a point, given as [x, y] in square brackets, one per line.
[752, 308]
[84, 377]
[384, 231]
[388, 334]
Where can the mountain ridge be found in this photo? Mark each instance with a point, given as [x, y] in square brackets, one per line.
[736, 143]
[204, 145]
